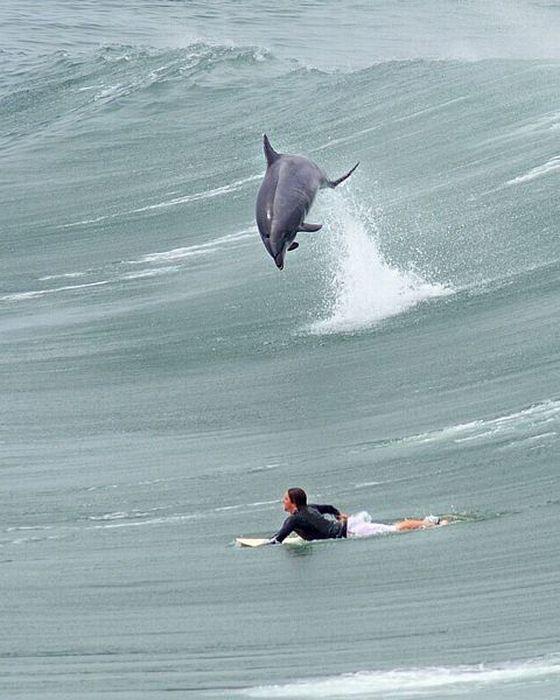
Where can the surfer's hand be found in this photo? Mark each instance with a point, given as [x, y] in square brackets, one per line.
[343, 517]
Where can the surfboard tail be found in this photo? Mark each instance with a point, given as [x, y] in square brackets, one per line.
[335, 183]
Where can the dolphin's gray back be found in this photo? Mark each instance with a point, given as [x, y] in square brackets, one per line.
[287, 192]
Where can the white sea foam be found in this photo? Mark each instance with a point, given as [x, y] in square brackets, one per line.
[531, 420]
[120, 515]
[124, 515]
[205, 194]
[65, 275]
[548, 121]
[365, 289]
[141, 274]
[175, 201]
[367, 484]
[120, 519]
[173, 255]
[21, 296]
[85, 222]
[244, 506]
[413, 682]
[193, 250]
[27, 540]
[550, 166]
[20, 528]
[152, 521]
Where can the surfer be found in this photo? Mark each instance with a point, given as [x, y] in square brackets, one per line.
[321, 522]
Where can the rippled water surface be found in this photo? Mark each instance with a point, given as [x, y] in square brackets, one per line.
[163, 383]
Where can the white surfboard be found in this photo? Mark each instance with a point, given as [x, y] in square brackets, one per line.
[260, 541]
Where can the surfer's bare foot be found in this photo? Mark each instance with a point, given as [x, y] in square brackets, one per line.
[433, 520]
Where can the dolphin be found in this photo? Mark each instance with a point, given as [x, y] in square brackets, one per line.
[285, 196]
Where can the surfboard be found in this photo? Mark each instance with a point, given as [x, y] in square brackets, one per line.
[260, 541]
[294, 539]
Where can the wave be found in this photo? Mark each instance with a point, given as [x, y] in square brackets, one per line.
[27, 539]
[176, 254]
[171, 519]
[143, 274]
[413, 682]
[175, 201]
[533, 422]
[64, 86]
[120, 519]
[197, 249]
[205, 194]
[21, 296]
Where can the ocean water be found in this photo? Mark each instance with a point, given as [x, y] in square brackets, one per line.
[162, 383]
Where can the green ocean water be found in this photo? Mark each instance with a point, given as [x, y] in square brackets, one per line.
[162, 383]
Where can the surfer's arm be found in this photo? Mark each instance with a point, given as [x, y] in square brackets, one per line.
[327, 510]
[287, 528]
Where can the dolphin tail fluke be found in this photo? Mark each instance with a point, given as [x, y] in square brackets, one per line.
[269, 152]
[335, 183]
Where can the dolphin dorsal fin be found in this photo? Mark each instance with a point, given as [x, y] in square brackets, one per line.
[269, 152]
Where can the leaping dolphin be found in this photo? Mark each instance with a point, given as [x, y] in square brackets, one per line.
[285, 196]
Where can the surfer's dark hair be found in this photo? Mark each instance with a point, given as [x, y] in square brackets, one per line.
[298, 497]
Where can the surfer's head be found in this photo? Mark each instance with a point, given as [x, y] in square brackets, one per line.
[294, 499]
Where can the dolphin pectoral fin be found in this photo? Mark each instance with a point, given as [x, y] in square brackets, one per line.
[294, 246]
[334, 183]
[310, 228]
[269, 152]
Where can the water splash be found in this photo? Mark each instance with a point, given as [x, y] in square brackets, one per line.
[364, 288]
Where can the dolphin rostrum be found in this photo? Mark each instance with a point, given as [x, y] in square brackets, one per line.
[285, 196]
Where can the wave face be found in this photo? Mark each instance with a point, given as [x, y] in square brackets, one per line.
[164, 384]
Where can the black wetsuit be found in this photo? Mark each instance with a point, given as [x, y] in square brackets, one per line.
[310, 523]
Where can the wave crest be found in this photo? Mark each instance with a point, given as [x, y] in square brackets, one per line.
[71, 86]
